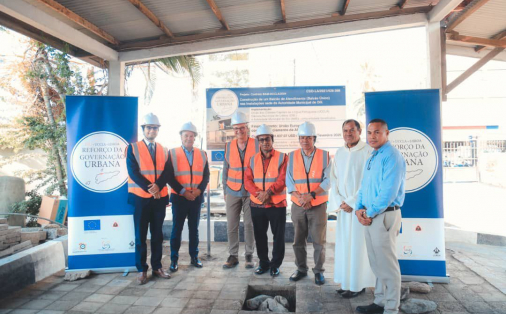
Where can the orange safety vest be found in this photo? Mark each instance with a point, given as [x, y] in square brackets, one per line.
[237, 166]
[188, 176]
[264, 179]
[149, 170]
[308, 182]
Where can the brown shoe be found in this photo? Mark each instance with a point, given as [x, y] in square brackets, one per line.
[161, 273]
[249, 261]
[142, 278]
[232, 261]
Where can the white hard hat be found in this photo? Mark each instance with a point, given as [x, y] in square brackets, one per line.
[239, 118]
[264, 130]
[151, 119]
[307, 129]
[188, 126]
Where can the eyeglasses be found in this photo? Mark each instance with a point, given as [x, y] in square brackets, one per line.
[265, 139]
[370, 160]
[242, 128]
[154, 128]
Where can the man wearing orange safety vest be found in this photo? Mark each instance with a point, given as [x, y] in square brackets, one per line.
[308, 182]
[265, 181]
[238, 152]
[145, 163]
[187, 172]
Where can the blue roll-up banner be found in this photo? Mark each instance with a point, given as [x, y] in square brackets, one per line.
[101, 230]
[414, 120]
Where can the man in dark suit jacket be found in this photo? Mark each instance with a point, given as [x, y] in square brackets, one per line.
[145, 163]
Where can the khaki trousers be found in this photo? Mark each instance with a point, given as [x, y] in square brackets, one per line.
[234, 206]
[380, 238]
[314, 222]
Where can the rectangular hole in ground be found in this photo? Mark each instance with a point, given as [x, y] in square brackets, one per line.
[285, 291]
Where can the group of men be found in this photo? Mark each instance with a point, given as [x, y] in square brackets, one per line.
[364, 184]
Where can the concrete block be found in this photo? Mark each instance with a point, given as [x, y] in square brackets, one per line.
[490, 239]
[14, 229]
[3, 220]
[4, 226]
[61, 232]
[22, 246]
[5, 252]
[34, 237]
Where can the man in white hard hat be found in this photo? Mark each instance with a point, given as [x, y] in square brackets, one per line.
[238, 153]
[351, 264]
[265, 181]
[145, 163]
[307, 180]
[187, 172]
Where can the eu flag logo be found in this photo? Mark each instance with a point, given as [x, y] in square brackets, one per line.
[92, 225]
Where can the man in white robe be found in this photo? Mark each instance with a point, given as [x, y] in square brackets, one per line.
[352, 268]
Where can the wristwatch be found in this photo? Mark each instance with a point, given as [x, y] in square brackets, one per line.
[313, 194]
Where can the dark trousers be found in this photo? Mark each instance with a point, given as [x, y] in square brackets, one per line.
[149, 213]
[276, 217]
[182, 208]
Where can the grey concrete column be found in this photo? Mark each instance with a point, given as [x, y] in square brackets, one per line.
[116, 78]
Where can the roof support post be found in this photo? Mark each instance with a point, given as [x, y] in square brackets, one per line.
[116, 80]
[434, 56]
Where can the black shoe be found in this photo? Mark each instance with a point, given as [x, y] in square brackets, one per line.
[370, 309]
[259, 270]
[196, 262]
[297, 275]
[351, 294]
[341, 291]
[319, 279]
[274, 271]
[173, 266]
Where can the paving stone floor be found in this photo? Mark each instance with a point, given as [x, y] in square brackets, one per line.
[213, 289]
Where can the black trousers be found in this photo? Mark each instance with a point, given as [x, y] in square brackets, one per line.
[149, 214]
[182, 209]
[276, 217]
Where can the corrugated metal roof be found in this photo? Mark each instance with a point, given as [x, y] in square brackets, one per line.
[487, 21]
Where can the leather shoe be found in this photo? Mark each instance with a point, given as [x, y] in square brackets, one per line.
[341, 291]
[297, 275]
[351, 294]
[259, 270]
[196, 262]
[370, 309]
[232, 261]
[274, 271]
[249, 262]
[161, 273]
[142, 278]
[173, 266]
[319, 279]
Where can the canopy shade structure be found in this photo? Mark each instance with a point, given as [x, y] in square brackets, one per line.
[128, 31]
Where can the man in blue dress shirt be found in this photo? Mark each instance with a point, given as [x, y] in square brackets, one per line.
[378, 206]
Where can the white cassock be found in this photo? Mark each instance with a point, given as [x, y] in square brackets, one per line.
[352, 268]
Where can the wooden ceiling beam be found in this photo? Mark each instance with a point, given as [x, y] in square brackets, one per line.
[344, 8]
[477, 40]
[218, 14]
[150, 15]
[146, 44]
[464, 14]
[283, 10]
[79, 20]
[475, 67]
[498, 36]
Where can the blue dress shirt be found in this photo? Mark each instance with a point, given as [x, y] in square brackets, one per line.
[383, 181]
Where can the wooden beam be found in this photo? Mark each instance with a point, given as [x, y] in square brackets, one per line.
[150, 15]
[464, 14]
[478, 40]
[283, 10]
[218, 14]
[475, 67]
[79, 20]
[345, 7]
[498, 36]
[271, 28]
